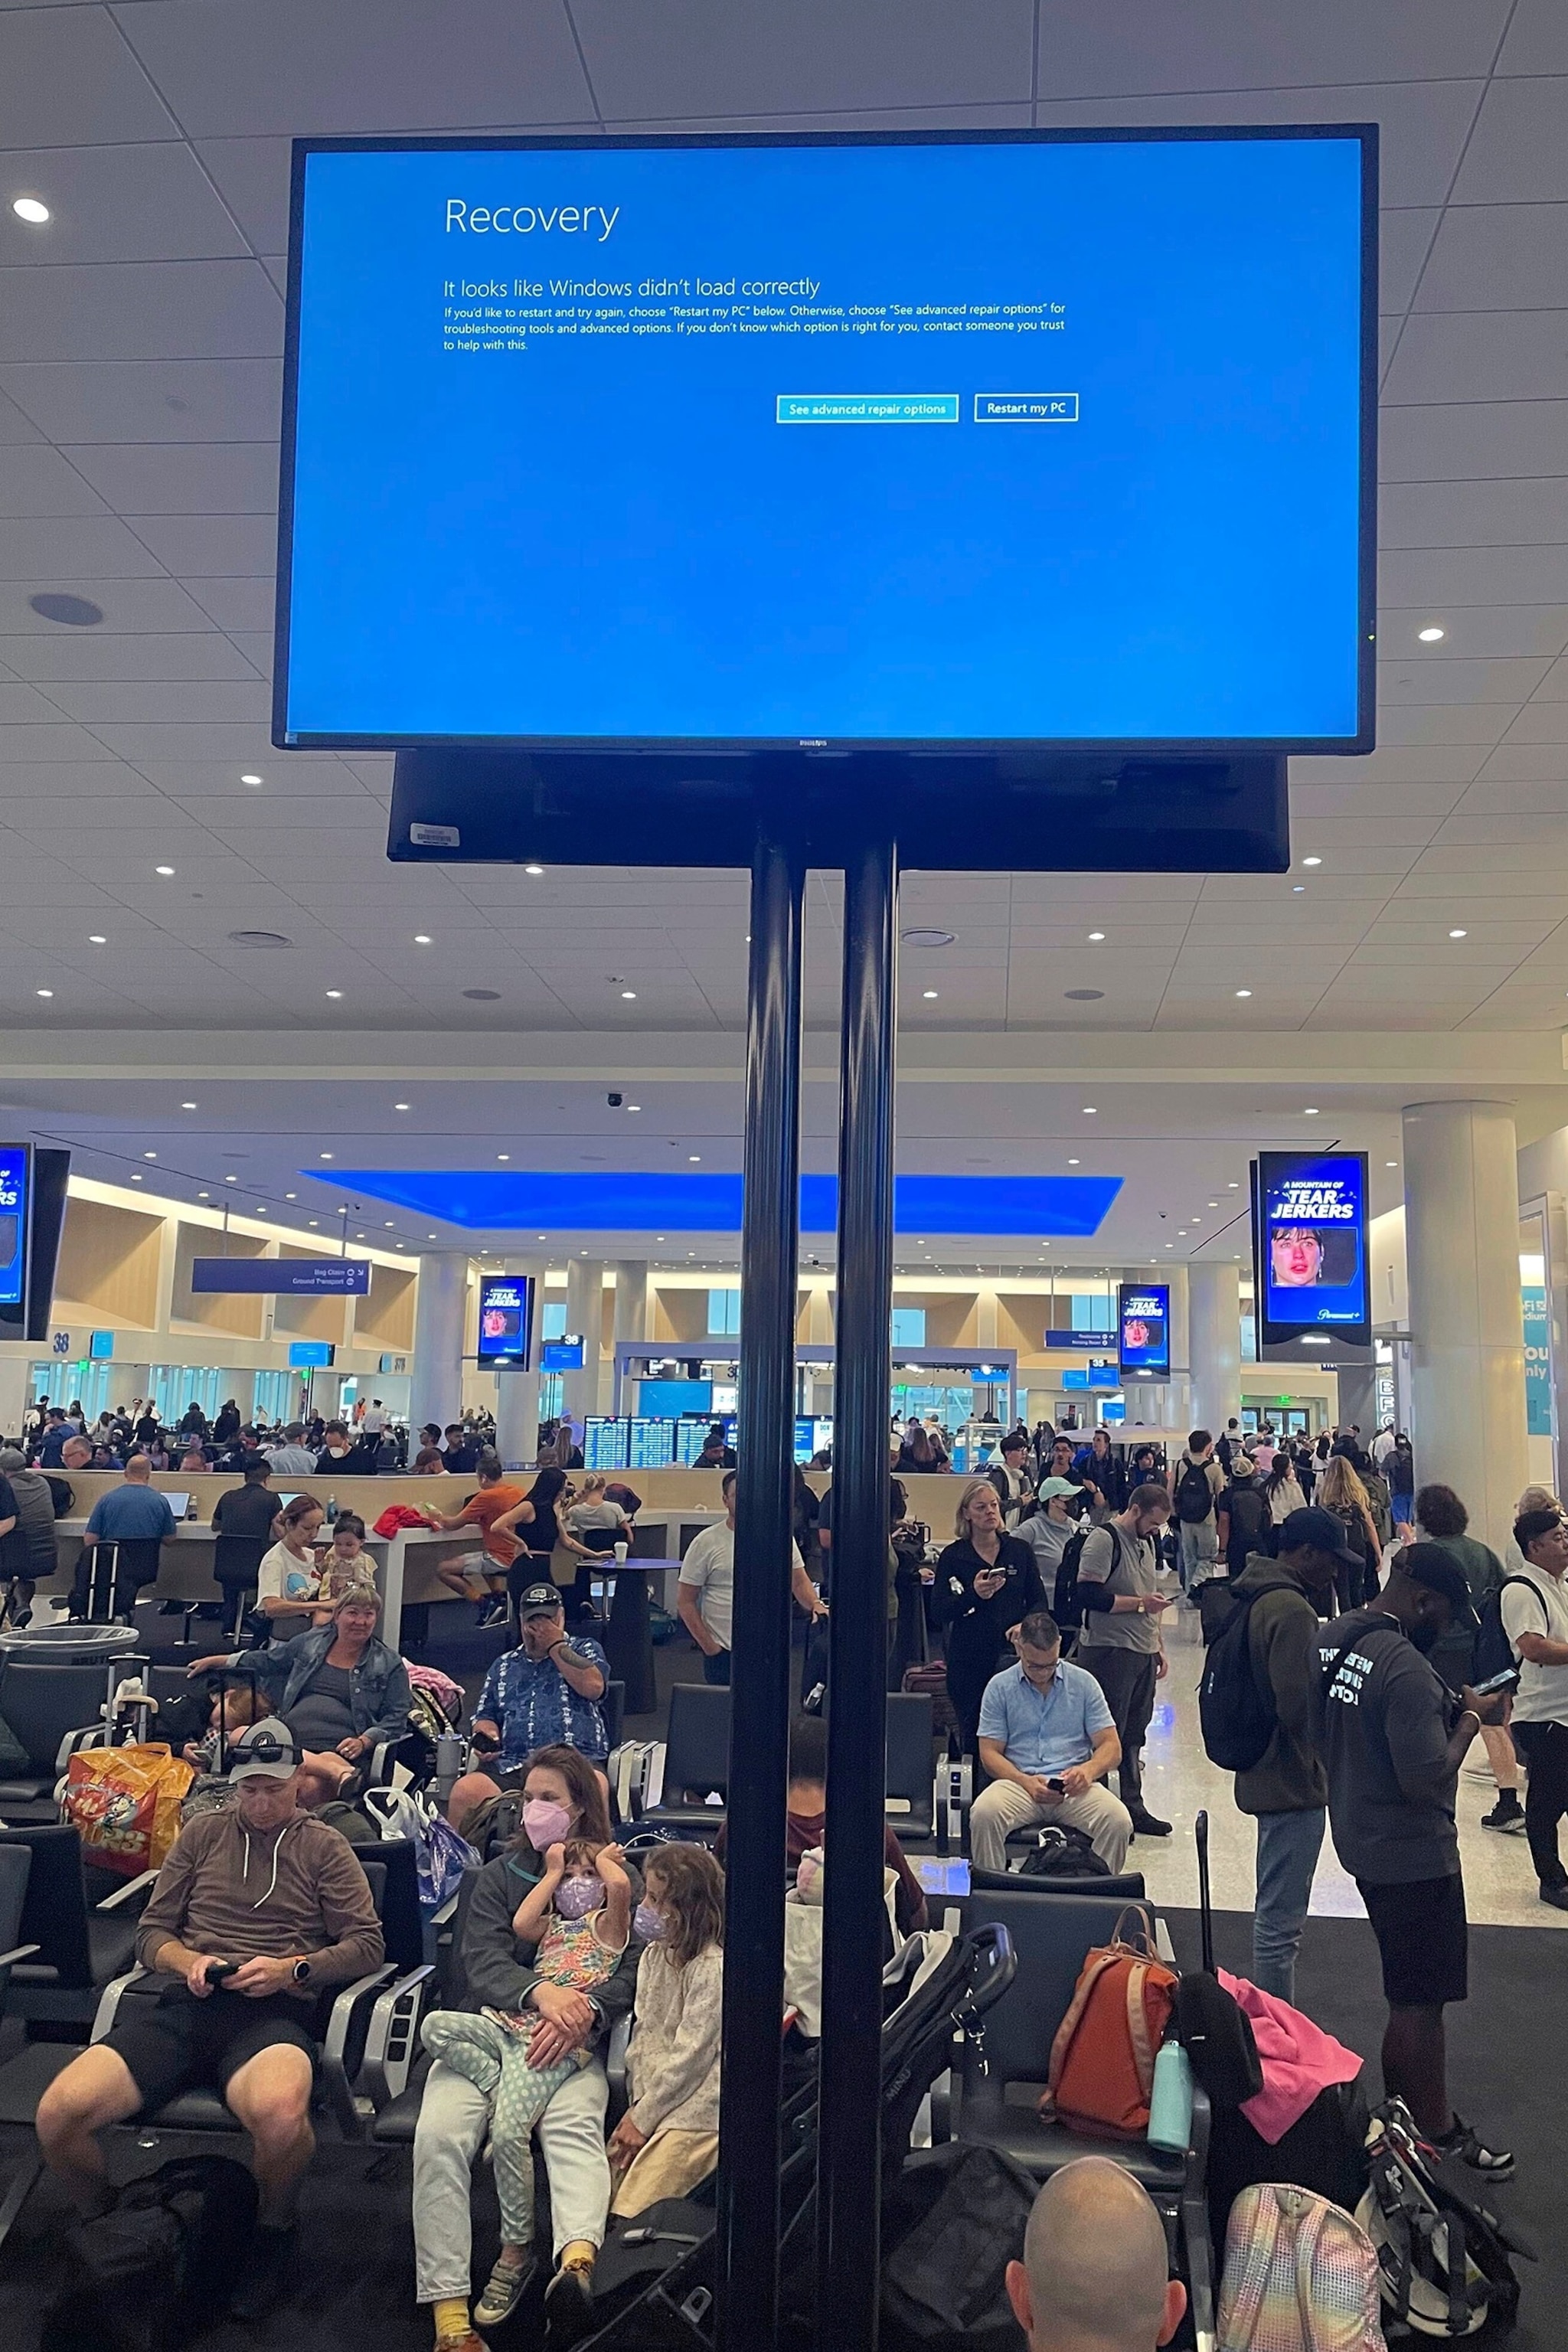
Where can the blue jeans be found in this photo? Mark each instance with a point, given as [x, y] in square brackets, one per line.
[1288, 1849]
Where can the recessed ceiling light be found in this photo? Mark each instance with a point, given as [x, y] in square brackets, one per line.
[250, 780]
[1233, 1188]
[1311, 861]
[166, 871]
[1432, 635]
[324, 1155]
[30, 208]
[187, 1106]
[96, 940]
[421, 939]
[1244, 992]
[231, 1179]
[1310, 1111]
[534, 869]
[1296, 889]
[261, 1212]
[400, 1106]
[694, 1157]
[315, 1221]
[334, 994]
[1458, 935]
[503, 1155]
[629, 995]
[291, 1196]
[149, 1155]
[919, 938]
[1097, 935]
[1091, 1110]
[634, 1105]
[1072, 1163]
[929, 993]
[430, 1237]
[46, 992]
[359, 1237]
[136, 1175]
[1391, 1164]
[203, 1196]
[1214, 1205]
[389, 1224]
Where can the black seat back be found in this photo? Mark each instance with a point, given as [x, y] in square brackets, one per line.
[15, 1865]
[910, 1725]
[237, 1561]
[401, 1921]
[613, 1708]
[697, 1752]
[54, 1915]
[41, 1703]
[454, 1977]
[1050, 1940]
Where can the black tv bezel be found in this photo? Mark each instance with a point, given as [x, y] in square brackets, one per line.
[1270, 1333]
[1365, 133]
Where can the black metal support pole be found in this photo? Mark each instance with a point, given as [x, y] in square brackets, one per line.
[754, 1958]
[849, 2184]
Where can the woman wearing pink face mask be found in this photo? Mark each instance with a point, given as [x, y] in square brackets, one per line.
[564, 1799]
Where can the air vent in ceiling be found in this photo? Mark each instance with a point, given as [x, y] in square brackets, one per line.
[261, 940]
[482, 995]
[1084, 995]
[927, 939]
[75, 612]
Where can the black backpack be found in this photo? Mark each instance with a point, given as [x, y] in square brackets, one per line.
[1491, 1651]
[161, 2264]
[1066, 1606]
[1236, 1713]
[1063, 1852]
[951, 2222]
[1249, 1514]
[1195, 1495]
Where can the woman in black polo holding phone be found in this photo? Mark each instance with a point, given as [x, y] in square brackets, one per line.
[985, 1584]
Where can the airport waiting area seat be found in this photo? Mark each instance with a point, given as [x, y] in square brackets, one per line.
[51, 1708]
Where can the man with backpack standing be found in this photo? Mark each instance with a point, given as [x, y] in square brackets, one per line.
[1534, 1612]
[1119, 1644]
[1394, 1737]
[1197, 1491]
[1261, 1679]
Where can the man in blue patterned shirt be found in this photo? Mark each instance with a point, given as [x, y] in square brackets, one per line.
[544, 1694]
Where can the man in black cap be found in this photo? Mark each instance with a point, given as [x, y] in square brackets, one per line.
[1393, 1737]
[1286, 1790]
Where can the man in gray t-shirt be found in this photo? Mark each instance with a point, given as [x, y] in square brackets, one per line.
[1119, 1644]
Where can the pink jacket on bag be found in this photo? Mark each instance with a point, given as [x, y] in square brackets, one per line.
[1299, 2060]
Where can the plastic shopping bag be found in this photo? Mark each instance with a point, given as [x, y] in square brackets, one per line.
[124, 1803]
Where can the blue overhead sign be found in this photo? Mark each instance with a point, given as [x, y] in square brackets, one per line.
[1082, 1341]
[289, 1277]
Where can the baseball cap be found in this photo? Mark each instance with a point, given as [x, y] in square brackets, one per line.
[1050, 1486]
[537, 1599]
[1429, 1564]
[10, 1459]
[268, 1747]
[1310, 1529]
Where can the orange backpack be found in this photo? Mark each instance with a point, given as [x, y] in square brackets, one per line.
[1102, 2059]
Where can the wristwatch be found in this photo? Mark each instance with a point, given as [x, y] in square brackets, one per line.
[300, 1972]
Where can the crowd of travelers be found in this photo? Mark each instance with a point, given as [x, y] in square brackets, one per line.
[1358, 1601]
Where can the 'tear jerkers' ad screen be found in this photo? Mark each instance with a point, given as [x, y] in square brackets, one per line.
[1312, 1242]
[851, 443]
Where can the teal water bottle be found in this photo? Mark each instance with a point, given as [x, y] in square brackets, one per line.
[1171, 2101]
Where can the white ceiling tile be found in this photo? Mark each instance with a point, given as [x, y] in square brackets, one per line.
[252, 177]
[1476, 440]
[151, 400]
[1390, 764]
[1475, 575]
[116, 203]
[59, 742]
[1404, 240]
[129, 605]
[1481, 631]
[298, 67]
[67, 80]
[1472, 514]
[95, 779]
[97, 701]
[36, 480]
[237, 603]
[215, 741]
[1411, 678]
[1207, 45]
[1525, 763]
[1540, 722]
[205, 546]
[21, 705]
[1537, 39]
[140, 310]
[1482, 355]
[230, 478]
[102, 654]
[1443, 723]
[95, 547]
[1517, 154]
[1498, 257]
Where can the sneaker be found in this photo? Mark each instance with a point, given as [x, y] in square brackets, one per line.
[1556, 1896]
[1508, 1813]
[1150, 1825]
[1495, 2163]
[569, 2305]
[264, 2273]
[503, 2291]
[494, 1610]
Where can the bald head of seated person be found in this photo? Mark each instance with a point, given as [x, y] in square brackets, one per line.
[1095, 2275]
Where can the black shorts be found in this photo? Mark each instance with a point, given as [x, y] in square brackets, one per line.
[1423, 1939]
[177, 2043]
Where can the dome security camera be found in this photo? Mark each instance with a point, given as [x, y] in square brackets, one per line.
[615, 1101]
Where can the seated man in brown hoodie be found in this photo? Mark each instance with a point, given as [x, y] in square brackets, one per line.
[1286, 1790]
[257, 1910]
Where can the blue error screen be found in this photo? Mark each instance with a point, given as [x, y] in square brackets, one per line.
[983, 442]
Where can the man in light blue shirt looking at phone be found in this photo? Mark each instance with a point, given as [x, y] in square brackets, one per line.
[1047, 1739]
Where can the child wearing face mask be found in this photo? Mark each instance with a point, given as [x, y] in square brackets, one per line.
[668, 2138]
[579, 1916]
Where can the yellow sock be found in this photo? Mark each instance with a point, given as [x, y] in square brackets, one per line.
[452, 2319]
[579, 2255]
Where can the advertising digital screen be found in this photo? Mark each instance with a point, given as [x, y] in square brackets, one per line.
[1310, 1237]
[505, 1301]
[946, 439]
[14, 1171]
[1143, 1331]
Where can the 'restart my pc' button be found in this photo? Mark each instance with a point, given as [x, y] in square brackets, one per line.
[867, 408]
[1025, 408]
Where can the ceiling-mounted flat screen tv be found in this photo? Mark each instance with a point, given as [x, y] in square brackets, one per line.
[955, 441]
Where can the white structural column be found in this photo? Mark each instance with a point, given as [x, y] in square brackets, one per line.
[631, 1318]
[516, 1393]
[441, 1314]
[585, 1312]
[1214, 1343]
[1461, 1239]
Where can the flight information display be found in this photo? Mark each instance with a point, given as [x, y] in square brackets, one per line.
[964, 440]
[1309, 1222]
